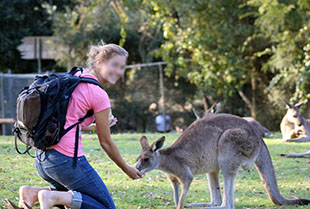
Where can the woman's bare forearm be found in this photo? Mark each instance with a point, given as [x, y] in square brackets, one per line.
[112, 151]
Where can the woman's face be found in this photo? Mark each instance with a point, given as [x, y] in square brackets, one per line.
[111, 70]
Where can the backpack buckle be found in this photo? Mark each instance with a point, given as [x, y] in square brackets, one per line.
[17, 131]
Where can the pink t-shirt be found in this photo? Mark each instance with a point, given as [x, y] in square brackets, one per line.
[85, 96]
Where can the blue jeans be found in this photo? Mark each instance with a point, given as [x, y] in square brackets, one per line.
[89, 191]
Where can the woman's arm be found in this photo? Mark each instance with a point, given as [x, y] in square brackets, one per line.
[103, 130]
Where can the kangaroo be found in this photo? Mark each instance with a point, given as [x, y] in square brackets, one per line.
[260, 128]
[215, 108]
[294, 127]
[218, 142]
[296, 155]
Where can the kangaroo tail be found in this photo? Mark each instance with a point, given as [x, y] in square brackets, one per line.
[266, 171]
[303, 139]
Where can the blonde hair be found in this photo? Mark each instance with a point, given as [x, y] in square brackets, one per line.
[103, 52]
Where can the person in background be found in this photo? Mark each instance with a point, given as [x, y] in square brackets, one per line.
[160, 123]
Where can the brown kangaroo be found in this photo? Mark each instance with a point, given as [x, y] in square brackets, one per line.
[294, 127]
[218, 142]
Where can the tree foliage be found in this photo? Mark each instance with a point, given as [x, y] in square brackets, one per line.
[238, 48]
[19, 19]
[286, 25]
[90, 22]
[249, 54]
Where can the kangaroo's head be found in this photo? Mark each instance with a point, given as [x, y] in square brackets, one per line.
[293, 112]
[149, 158]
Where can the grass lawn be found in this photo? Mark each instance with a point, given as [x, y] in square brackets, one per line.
[154, 191]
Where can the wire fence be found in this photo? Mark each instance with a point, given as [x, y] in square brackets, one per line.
[12, 84]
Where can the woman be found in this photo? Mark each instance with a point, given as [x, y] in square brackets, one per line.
[82, 187]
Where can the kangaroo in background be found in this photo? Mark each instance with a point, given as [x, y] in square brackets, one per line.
[294, 127]
[260, 128]
[215, 108]
[218, 142]
[296, 155]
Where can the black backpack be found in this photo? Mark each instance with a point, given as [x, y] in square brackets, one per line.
[42, 108]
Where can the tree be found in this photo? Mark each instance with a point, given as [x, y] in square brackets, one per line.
[209, 45]
[90, 22]
[24, 18]
[255, 50]
[285, 24]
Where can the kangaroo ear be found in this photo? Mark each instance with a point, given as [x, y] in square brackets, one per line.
[196, 114]
[288, 104]
[158, 144]
[213, 108]
[299, 104]
[218, 108]
[144, 143]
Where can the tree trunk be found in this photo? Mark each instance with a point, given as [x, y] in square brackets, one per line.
[248, 103]
[251, 103]
[253, 84]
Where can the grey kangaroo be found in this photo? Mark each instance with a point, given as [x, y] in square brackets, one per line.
[294, 127]
[218, 142]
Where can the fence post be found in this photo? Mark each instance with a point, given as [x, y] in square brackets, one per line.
[2, 101]
[162, 93]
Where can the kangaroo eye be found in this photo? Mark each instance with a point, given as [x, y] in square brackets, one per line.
[146, 159]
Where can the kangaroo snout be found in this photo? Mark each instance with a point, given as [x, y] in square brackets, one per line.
[138, 166]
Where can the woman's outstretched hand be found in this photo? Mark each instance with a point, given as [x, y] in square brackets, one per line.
[134, 173]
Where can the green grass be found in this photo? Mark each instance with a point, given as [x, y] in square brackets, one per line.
[154, 191]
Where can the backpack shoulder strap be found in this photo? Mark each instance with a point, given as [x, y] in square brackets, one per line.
[76, 145]
[90, 80]
[88, 114]
[75, 69]
[84, 79]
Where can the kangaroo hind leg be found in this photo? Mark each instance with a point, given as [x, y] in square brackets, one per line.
[215, 191]
[236, 148]
[215, 188]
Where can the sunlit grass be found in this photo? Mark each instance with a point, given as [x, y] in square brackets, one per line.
[154, 191]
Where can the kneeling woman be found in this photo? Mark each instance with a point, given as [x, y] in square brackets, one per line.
[81, 187]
